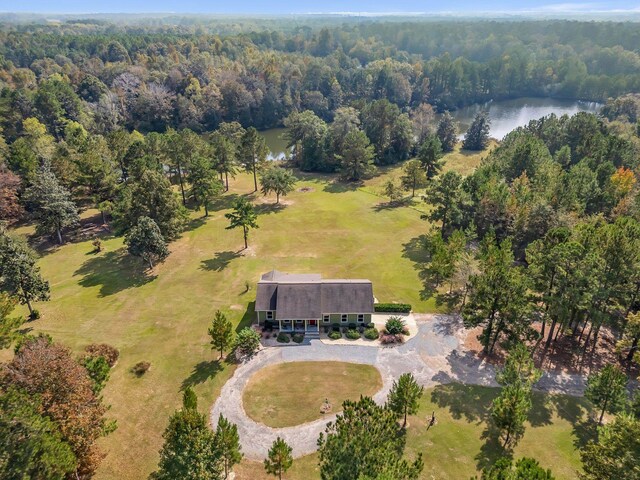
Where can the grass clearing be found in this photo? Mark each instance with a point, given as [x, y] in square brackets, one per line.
[462, 441]
[292, 393]
[162, 316]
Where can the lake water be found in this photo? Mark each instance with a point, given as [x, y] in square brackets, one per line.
[505, 116]
[276, 144]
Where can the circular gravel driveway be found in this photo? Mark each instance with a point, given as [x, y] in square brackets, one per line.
[436, 355]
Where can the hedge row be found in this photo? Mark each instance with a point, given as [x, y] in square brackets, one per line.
[392, 307]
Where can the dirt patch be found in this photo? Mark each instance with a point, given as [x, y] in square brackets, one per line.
[565, 355]
[306, 189]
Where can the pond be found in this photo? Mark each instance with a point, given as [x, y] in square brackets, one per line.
[507, 115]
[276, 144]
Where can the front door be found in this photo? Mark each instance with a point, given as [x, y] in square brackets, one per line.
[312, 323]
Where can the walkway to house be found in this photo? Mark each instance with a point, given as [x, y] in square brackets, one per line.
[436, 355]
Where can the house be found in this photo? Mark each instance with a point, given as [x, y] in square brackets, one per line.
[303, 302]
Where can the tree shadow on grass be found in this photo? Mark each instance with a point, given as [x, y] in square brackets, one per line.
[203, 372]
[340, 187]
[382, 206]
[468, 402]
[223, 202]
[416, 251]
[541, 412]
[220, 261]
[113, 271]
[491, 449]
[268, 208]
[576, 411]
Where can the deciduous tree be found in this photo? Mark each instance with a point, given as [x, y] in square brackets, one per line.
[145, 240]
[447, 133]
[48, 370]
[19, 275]
[277, 180]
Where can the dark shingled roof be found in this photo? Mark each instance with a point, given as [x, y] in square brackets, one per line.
[307, 296]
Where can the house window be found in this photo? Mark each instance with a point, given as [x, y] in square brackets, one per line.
[343, 318]
[269, 315]
[326, 318]
[360, 318]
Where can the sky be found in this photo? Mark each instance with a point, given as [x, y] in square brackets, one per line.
[322, 6]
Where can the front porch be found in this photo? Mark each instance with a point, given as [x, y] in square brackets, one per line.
[298, 326]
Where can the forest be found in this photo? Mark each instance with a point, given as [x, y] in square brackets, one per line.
[154, 128]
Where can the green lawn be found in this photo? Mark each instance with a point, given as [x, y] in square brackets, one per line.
[330, 228]
[289, 394]
[462, 441]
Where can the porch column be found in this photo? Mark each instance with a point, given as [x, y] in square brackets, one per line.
[279, 324]
[305, 325]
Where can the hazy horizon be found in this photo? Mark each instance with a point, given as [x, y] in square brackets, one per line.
[284, 7]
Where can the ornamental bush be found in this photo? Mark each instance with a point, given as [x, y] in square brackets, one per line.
[335, 335]
[353, 334]
[392, 307]
[283, 338]
[297, 337]
[395, 326]
[371, 333]
[110, 353]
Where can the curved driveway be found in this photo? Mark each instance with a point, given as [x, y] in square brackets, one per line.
[435, 356]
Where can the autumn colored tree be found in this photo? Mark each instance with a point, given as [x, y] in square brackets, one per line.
[49, 371]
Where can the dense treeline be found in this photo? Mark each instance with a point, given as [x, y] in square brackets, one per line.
[151, 79]
[557, 210]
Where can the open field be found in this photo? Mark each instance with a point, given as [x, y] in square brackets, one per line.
[292, 393]
[162, 317]
[462, 441]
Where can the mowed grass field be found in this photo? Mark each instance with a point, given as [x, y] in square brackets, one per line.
[162, 317]
[462, 441]
[292, 393]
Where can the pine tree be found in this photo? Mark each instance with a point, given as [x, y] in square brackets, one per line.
[414, 176]
[243, 215]
[355, 160]
[446, 196]
[447, 133]
[253, 153]
[392, 191]
[607, 390]
[204, 184]
[498, 296]
[404, 397]
[144, 240]
[430, 155]
[477, 137]
[277, 180]
[279, 458]
[221, 333]
[189, 399]
[51, 204]
[228, 444]
[363, 442]
[615, 453]
[511, 408]
[19, 275]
